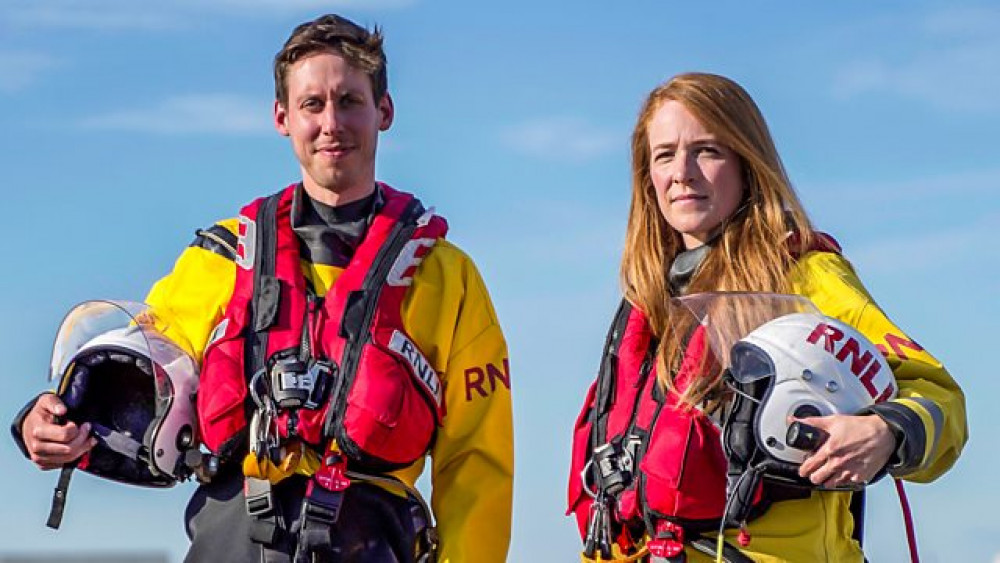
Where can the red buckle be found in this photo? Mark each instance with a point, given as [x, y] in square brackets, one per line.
[669, 540]
[330, 474]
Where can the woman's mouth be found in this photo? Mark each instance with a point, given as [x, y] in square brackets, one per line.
[687, 197]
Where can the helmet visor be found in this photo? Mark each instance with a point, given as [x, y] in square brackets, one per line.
[727, 317]
[128, 326]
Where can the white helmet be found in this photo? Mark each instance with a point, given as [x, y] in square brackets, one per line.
[134, 386]
[819, 366]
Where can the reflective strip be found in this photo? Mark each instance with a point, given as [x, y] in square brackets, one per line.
[421, 367]
[933, 420]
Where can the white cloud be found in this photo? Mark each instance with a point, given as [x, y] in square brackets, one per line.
[100, 15]
[123, 15]
[560, 138]
[22, 69]
[957, 68]
[298, 5]
[205, 113]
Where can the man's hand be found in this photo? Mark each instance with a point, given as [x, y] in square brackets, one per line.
[857, 449]
[51, 444]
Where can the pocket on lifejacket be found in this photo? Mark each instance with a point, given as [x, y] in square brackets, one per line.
[395, 402]
[222, 391]
[685, 467]
[578, 501]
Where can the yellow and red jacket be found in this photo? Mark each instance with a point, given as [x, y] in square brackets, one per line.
[448, 315]
[929, 415]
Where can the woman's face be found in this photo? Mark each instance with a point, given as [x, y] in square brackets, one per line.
[698, 181]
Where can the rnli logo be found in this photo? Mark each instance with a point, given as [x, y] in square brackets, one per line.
[860, 359]
[426, 375]
[406, 263]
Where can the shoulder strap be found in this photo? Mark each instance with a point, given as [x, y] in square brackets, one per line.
[266, 287]
[607, 376]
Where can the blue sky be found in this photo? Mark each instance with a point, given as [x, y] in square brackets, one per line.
[127, 126]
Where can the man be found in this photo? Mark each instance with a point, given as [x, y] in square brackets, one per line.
[426, 371]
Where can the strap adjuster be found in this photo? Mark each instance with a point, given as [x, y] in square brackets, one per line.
[258, 496]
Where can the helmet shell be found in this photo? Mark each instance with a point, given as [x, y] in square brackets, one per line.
[118, 371]
[818, 366]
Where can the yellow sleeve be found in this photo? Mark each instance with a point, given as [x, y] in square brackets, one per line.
[190, 300]
[928, 417]
[473, 455]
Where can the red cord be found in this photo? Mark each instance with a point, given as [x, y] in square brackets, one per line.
[911, 534]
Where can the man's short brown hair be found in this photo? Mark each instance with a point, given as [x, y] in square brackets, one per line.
[361, 48]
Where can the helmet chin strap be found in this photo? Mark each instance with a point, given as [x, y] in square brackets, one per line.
[113, 440]
[119, 442]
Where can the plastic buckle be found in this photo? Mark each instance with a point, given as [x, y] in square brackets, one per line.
[669, 540]
[291, 382]
[321, 374]
[331, 474]
[610, 471]
[258, 496]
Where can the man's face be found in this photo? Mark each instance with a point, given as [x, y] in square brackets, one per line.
[333, 122]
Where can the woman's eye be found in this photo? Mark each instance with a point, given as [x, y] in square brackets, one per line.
[665, 156]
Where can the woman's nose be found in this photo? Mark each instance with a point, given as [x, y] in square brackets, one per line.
[684, 169]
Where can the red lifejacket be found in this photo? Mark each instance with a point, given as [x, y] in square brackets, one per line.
[670, 456]
[680, 474]
[385, 399]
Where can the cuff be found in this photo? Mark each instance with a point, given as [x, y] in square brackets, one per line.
[15, 426]
[911, 437]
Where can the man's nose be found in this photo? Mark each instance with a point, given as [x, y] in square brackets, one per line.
[331, 119]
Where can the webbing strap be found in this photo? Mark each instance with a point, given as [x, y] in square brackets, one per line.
[263, 311]
[59, 496]
[266, 287]
[117, 441]
[320, 511]
[858, 512]
[606, 379]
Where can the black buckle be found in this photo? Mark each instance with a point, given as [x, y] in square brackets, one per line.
[613, 471]
[322, 373]
[322, 506]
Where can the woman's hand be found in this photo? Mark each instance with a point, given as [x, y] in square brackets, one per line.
[857, 449]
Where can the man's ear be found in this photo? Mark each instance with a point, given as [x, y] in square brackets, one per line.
[387, 111]
[280, 118]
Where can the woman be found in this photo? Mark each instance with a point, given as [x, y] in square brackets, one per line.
[713, 210]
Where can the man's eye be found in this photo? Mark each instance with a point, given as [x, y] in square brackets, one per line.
[348, 101]
[312, 104]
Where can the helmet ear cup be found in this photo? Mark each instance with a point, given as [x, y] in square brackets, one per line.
[806, 411]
